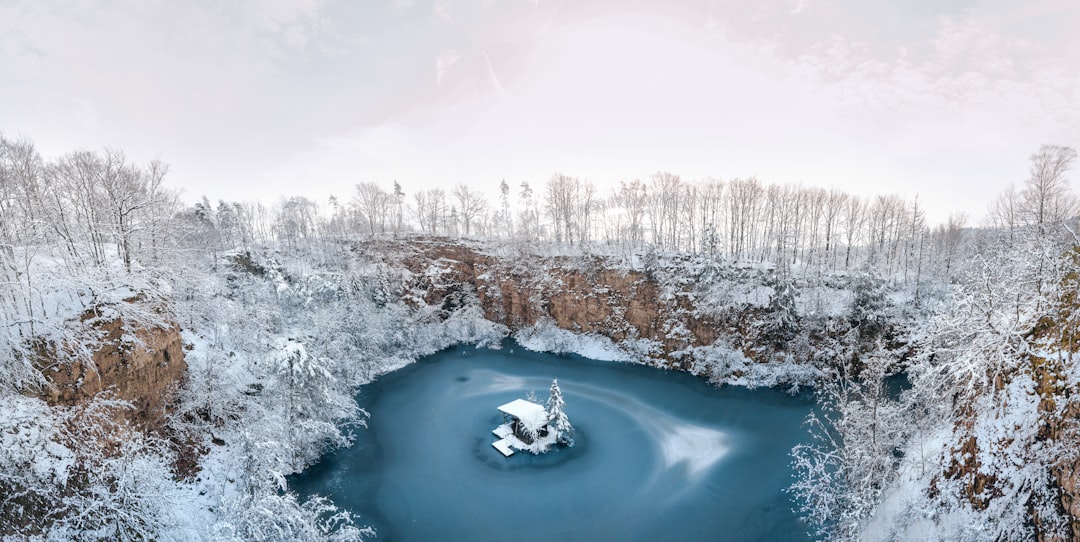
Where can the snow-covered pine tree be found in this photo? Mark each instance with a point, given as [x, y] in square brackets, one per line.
[781, 323]
[557, 416]
[869, 310]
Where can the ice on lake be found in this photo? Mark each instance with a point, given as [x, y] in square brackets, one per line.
[659, 455]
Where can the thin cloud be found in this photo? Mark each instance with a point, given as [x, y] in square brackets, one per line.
[495, 83]
[443, 63]
[965, 62]
[442, 12]
[600, 88]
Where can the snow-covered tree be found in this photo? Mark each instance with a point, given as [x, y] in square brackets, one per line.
[76, 473]
[869, 310]
[126, 488]
[315, 405]
[781, 322]
[842, 474]
[281, 516]
[557, 416]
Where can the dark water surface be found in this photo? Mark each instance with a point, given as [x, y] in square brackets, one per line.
[659, 456]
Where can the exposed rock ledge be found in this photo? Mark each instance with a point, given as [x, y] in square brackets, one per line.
[579, 295]
[144, 366]
[652, 315]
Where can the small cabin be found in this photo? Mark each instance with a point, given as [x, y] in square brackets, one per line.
[525, 426]
[526, 418]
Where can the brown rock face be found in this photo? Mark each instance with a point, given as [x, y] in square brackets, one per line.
[1068, 478]
[1058, 334]
[144, 367]
[583, 295]
[1061, 426]
[618, 304]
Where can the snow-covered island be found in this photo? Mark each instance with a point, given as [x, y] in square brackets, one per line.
[532, 427]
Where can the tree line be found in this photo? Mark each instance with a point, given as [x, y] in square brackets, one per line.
[740, 219]
[90, 204]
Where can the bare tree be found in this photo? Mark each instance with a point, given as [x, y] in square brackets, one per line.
[156, 219]
[834, 206]
[951, 235]
[774, 222]
[632, 200]
[1046, 198]
[885, 224]
[430, 208]
[816, 199]
[854, 218]
[915, 244]
[296, 220]
[709, 214]
[1046, 201]
[128, 192]
[744, 197]
[1005, 211]
[561, 198]
[77, 200]
[687, 234]
[584, 210]
[665, 191]
[372, 206]
[471, 204]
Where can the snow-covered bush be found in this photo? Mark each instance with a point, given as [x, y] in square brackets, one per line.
[78, 473]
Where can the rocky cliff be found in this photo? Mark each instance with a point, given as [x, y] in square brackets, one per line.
[679, 312]
[1057, 339]
[1046, 441]
[141, 365]
[580, 294]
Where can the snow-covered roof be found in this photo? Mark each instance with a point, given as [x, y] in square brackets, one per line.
[532, 415]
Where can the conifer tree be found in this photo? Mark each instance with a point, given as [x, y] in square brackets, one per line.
[557, 416]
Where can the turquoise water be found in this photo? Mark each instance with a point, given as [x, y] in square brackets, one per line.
[659, 455]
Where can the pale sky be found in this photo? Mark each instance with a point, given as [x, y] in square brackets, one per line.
[256, 99]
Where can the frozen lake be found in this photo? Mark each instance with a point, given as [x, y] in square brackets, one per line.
[659, 455]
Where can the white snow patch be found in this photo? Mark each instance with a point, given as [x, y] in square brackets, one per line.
[699, 448]
[496, 382]
[545, 336]
[679, 442]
